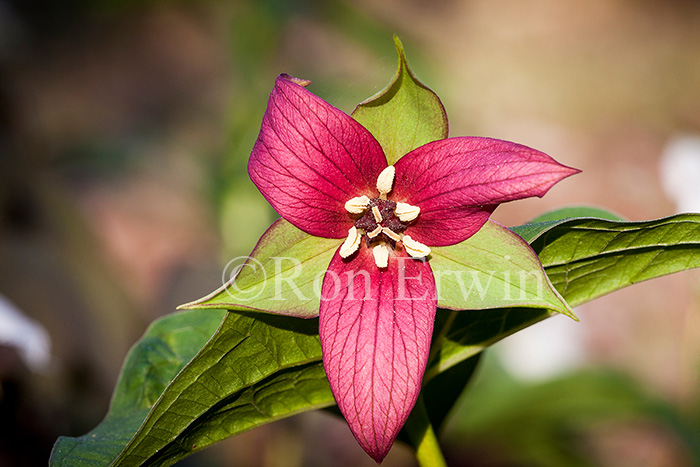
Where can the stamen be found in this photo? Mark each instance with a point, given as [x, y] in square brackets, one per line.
[405, 212]
[351, 244]
[391, 234]
[375, 232]
[381, 255]
[357, 205]
[377, 214]
[385, 181]
[414, 248]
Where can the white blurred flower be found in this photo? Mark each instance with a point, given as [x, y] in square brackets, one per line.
[29, 337]
[680, 172]
[547, 349]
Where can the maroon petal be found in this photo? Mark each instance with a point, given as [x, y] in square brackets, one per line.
[310, 158]
[458, 182]
[375, 328]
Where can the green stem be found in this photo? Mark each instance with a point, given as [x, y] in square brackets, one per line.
[437, 342]
[436, 347]
[423, 439]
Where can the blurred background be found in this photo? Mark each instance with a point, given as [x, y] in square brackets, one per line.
[125, 128]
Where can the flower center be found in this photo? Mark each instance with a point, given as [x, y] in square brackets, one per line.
[380, 222]
[383, 222]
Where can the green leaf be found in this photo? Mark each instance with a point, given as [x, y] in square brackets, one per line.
[405, 115]
[467, 333]
[441, 392]
[542, 223]
[168, 345]
[256, 369]
[585, 259]
[493, 268]
[282, 275]
[259, 367]
[576, 211]
[588, 258]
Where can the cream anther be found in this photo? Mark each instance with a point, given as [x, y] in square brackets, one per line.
[406, 212]
[351, 244]
[357, 205]
[381, 255]
[385, 181]
[414, 248]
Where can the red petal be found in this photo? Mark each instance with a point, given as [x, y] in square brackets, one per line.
[375, 327]
[458, 182]
[310, 158]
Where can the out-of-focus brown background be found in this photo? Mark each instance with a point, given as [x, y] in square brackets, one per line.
[125, 128]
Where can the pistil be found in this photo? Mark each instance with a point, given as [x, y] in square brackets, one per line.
[375, 232]
[391, 234]
[377, 215]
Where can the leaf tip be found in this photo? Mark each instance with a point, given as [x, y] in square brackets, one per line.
[568, 311]
[204, 302]
[573, 316]
[400, 50]
[197, 304]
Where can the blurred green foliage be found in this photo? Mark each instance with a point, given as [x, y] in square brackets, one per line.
[503, 420]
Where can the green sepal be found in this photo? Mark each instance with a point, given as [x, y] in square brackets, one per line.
[282, 275]
[405, 115]
[494, 268]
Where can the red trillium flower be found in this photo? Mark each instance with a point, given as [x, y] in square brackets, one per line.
[327, 175]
